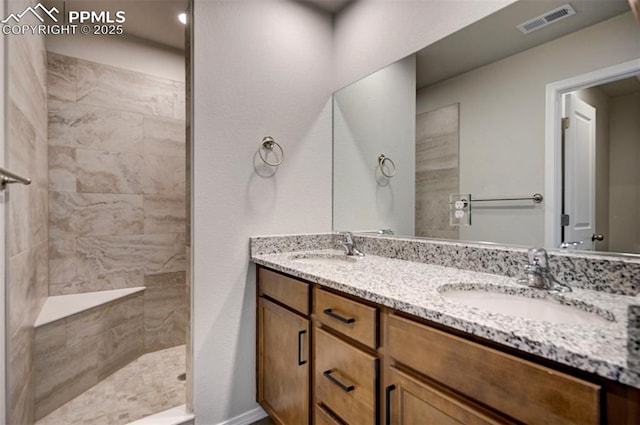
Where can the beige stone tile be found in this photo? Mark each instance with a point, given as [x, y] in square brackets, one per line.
[147, 385]
[38, 214]
[164, 136]
[124, 259]
[62, 261]
[432, 201]
[437, 153]
[41, 265]
[61, 77]
[78, 125]
[22, 290]
[119, 346]
[165, 311]
[18, 227]
[85, 326]
[164, 175]
[179, 101]
[22, 141]
[82, 214]
[63, 375]
[124, 90]
[62, 169]
[123, 311]
[165, 214]
[27, 80]
[23, 407]
[439, 122]
[109, 172]
[20, 367]
[103, 282]
[21, 152]
[50, 337]
[41, 175]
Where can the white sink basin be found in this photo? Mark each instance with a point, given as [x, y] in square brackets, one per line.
[324, 258]
[548, 310]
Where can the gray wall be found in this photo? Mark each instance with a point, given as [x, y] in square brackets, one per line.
[262, 68]
[371, 117]
[502, 122]
[268, 68]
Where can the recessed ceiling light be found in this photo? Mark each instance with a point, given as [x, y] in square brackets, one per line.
[183, 18]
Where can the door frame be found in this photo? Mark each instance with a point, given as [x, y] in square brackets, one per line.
[553, 136]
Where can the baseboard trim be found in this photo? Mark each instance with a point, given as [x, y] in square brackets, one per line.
[246, 418]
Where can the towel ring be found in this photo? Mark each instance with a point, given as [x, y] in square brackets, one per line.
[269, 144]
[381, 161]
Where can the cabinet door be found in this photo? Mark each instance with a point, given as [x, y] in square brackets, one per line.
[410, 401]
[283, 363]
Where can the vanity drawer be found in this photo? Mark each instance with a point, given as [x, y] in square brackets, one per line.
[523, 390]
[351, 318]
[345, 379]
[291, 292]
[322, 417]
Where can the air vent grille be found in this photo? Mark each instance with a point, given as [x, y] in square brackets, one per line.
[547, 18]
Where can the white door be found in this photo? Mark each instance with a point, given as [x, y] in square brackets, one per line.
[579, 172]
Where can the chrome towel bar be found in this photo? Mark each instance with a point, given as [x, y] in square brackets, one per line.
[7, 177]
[536, 198]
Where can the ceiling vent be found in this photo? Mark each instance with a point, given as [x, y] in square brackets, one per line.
[547, 18]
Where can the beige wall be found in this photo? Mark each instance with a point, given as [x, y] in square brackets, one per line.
[27, 212]
[502, 108]
[624, 180]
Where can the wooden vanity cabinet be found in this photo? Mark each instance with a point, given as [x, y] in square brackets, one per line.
[346, 362]
[283, 336]
[411, 401]
[514, 387]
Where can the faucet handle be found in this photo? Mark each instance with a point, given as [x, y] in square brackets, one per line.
[539, 257]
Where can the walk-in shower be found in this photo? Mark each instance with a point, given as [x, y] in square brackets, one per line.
[96, 245]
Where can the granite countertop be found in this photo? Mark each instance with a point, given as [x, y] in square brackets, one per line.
[417, 288]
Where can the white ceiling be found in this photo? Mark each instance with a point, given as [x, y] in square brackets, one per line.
[496, 36]
[154, 20]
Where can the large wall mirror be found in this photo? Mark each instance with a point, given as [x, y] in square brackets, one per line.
[468, 115]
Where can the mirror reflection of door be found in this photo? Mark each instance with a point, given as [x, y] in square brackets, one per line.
[579, 126]
[603, 199]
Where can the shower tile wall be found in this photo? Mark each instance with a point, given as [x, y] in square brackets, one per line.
[117, 189]
[26, 210]
[437, 171]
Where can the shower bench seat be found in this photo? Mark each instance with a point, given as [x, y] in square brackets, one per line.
[81, 339]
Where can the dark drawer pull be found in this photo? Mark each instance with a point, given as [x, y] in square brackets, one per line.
[300, 361]
[346, 320]
[387, 402]
[343, 387]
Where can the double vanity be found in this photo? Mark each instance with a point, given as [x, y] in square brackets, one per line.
[423, 331]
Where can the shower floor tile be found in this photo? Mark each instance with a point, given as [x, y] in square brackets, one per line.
[145, 386]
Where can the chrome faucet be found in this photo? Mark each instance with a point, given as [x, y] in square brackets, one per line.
[570, 245]
[538, 275]
[349, 244]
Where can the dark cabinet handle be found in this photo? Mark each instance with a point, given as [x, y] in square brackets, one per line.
[300, 361]
[346, 320]
[387, 402]
[343, 387]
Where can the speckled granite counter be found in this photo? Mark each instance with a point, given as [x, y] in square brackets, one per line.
[417, 288]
